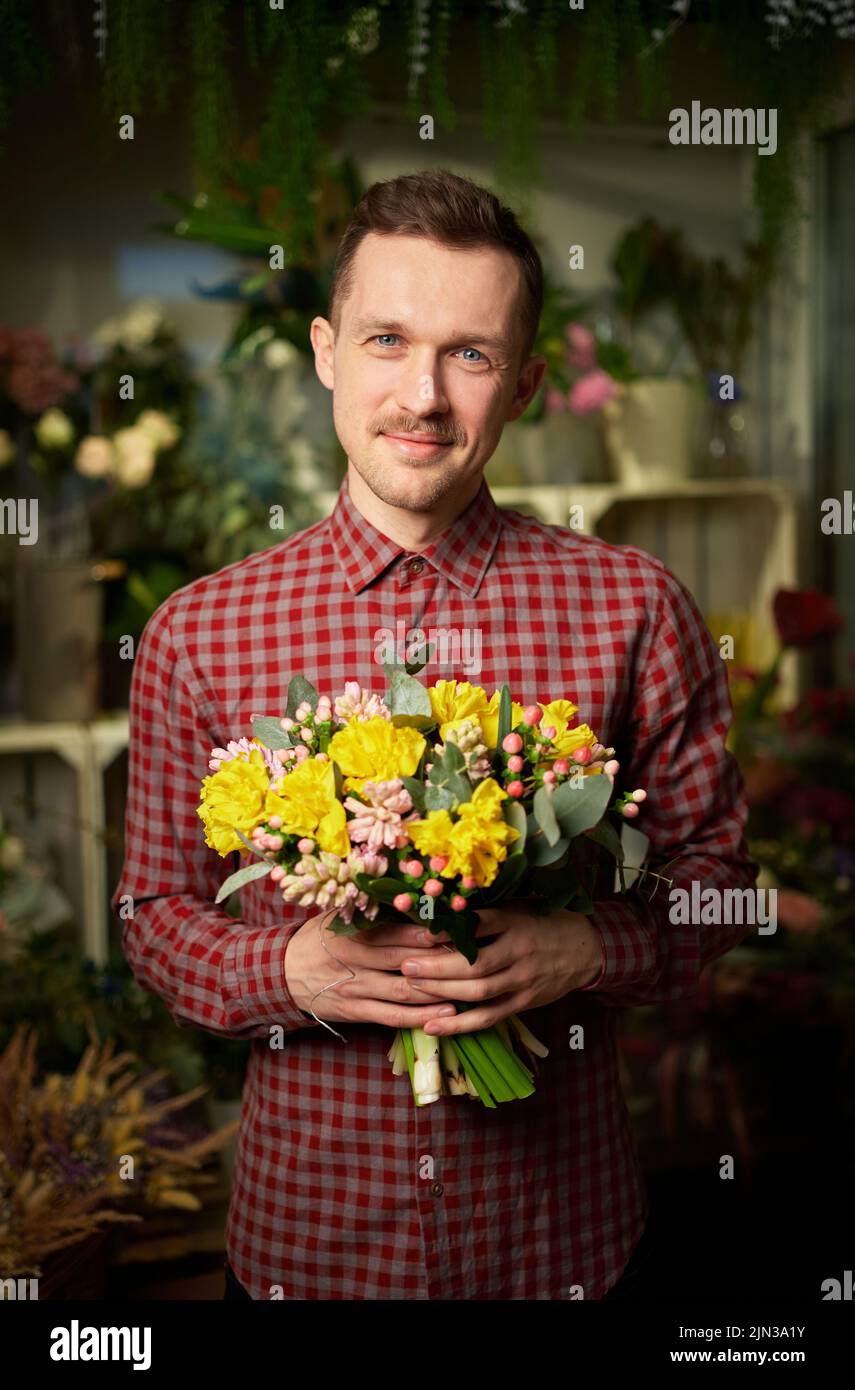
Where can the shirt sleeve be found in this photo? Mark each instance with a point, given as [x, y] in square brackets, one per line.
[213, 971]
[655, 942]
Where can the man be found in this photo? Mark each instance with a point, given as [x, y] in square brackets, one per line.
[342, 1187]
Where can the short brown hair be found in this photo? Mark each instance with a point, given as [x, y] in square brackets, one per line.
[444, 207]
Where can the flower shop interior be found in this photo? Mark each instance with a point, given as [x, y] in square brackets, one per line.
[698, 330]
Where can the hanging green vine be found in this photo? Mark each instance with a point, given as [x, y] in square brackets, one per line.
[310, 62]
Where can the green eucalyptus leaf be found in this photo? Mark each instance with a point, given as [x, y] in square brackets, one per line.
[439, 798]
[606, 835]
[408, 696]
[269, 730]
[515, 815]
[545, 816]
[417, 792]
[242, 876]
[578, 809]
[299, 689]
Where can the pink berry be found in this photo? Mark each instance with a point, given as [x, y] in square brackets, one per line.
[275, 822]
[277, 873]
[549, 731]
[275, 842]
[639, 794]
[438, 862]
[515, 789]
[612, 767]
[532, 715]
[322, 757]
[414, 867]
[468, 882]
[458, 904]
[561, 766]
[549, 778]
[432, 887]
[403, 902]
[512, 743]
[516, 763]
[582, 755]
[305, 846]
[630, 810]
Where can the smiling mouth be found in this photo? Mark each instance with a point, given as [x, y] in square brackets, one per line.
[420, 446]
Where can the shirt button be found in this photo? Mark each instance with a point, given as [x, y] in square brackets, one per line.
[437, 1189]
[416, 566]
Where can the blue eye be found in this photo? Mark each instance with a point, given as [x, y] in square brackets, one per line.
[478, 350]
[386, 335]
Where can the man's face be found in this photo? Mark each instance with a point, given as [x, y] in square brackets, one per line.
[428, 345]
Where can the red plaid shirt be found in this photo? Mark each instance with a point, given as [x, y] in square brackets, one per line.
[333, 1196]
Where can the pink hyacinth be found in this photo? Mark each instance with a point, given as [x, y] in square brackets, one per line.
[324, 881]
[360, 704]
[241, 748]
[380, 823]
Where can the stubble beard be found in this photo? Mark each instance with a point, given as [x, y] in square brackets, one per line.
[437, 481]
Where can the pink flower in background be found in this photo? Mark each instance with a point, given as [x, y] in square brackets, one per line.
[581, 347]
[555, 402]
[591, 392]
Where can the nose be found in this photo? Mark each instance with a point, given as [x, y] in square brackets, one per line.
[419, 390]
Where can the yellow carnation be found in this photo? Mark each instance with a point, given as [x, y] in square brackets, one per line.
[307, 802]
[233, 798]
[375, 750]
[476, 843]
[558, 714]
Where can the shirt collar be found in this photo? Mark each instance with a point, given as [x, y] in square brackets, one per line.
[462, 554]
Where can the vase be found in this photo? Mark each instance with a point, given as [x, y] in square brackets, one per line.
[650, 431]
[58, 615]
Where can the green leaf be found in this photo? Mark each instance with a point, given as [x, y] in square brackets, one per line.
[540, 852]
[439, 798]
[578, 809]
[606, 835]
[270, 731]
[506, 880]
[384, 890]
[299, 689]
[242, 876]
[417, 792]
[448, 773]
[545, 816]
[515, 815]
[505, 711]
[408, 696]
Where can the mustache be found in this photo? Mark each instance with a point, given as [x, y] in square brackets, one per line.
[446, 434]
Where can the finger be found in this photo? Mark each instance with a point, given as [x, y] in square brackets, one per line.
[474, 991]
[491, 922]
[390, 957]
[389, 988]
[394, 1015]
[473, 1020]
[393, 934]
[453, 965]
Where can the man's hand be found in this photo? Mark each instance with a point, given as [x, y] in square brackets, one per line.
[377, 993]
[532, 961]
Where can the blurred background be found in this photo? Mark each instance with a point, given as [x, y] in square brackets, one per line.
[177, 178]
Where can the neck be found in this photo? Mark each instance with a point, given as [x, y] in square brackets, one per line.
[414, 531]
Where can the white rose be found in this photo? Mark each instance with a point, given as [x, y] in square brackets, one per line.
[134, 456]
[280, 353]
[95, 457]
[54, 430]
[163, 431]
[7, 448]
[141, 323]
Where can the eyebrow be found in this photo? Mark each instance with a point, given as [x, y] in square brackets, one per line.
[367, 325]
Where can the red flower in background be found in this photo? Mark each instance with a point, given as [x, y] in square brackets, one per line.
[805, 616]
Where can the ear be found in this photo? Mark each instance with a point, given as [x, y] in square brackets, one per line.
[531, 375]
[323, 344]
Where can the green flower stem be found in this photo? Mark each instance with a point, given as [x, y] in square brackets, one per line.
[473, 1053]
[407, 1039]
[474, 1075]
[506, 1061]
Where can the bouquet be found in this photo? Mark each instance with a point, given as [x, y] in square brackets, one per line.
[428, 803]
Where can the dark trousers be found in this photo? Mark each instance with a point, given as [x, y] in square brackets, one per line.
[634, 1282]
